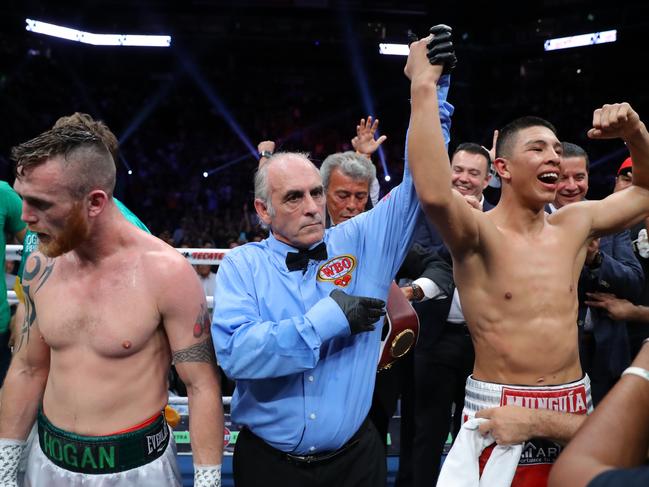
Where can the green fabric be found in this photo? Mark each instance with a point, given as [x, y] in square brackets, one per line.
[10, 222]
[103, 454]
[31, 239]
[130, 216]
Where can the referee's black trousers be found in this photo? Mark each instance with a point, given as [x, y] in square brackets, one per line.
[361, 463]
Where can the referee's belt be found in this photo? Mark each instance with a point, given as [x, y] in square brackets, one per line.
[324, 457]
[319, 458]
[103, 454]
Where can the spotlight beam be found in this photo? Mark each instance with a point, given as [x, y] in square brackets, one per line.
[146, 110]
[228, 164]
[360, 77]
[216, 102]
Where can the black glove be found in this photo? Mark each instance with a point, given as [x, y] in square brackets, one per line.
[412, 37]
[440, 49]
[360, 312]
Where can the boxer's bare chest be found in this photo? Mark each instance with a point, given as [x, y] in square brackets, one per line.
[521, 279]
[107, 310]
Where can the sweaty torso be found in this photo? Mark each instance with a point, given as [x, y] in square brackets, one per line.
[519, 297]
[109, 356]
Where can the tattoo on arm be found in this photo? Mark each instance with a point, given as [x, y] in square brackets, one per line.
[203, 322]
[199, 352]
[30, 317]
[30, 309]
[202, 351]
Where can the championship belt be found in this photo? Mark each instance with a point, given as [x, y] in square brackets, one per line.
[400, 328]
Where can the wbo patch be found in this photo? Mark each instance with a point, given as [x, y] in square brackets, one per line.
[337, 270]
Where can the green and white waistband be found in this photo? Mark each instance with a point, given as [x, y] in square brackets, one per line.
[103, 454]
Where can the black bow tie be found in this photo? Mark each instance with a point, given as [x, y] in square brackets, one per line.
[296, 261]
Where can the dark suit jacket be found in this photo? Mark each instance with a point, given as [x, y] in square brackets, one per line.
[420, 262]
[426, 263]
[427, 235]
[620, 274]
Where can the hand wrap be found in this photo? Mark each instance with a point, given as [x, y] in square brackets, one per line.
[207, 475]
[10, 452]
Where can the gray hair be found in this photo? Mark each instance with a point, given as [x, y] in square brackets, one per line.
[262, 190]
[350, 164]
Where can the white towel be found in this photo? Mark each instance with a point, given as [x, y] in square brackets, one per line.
[461, 467]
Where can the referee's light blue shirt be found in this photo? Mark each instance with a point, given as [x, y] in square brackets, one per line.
[303, 384]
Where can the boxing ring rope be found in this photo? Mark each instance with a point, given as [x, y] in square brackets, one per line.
[195, 256]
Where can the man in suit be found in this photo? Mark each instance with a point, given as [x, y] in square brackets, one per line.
[444, 354]
[610, 266]
[470, 175]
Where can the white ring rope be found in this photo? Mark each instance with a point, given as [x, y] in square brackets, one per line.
[194, 256]
[184, 401]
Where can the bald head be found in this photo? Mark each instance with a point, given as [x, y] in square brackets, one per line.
[285, 162]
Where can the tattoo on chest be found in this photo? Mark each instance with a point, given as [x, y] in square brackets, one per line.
[199, 352]
[28, 284]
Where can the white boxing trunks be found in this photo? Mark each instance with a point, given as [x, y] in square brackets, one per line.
[144, 456]
[537, 455]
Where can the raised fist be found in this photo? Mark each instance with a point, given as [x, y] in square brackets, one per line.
[615, 120]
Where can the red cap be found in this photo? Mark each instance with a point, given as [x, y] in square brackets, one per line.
[627, 164]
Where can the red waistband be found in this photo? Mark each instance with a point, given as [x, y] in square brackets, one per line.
[141, 425]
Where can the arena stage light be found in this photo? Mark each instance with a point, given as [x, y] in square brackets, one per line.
[127, 40]
[394, 49]
[581, 40]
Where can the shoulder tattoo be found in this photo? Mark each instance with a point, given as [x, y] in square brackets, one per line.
[28, 284]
